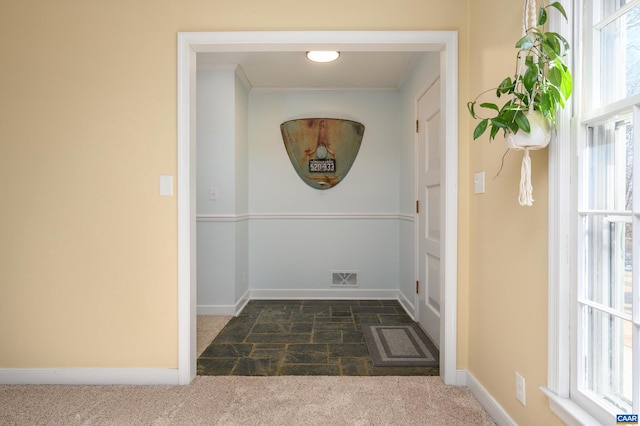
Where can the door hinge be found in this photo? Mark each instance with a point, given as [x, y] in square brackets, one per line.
[417, 206]
[417, 287]
[417, 126]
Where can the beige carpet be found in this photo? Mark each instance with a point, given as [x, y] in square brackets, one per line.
[216, 400]
[292, 400]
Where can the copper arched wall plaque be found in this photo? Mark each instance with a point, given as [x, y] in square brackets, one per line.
[322, 150]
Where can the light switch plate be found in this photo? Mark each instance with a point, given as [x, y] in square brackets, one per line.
[520, 389]
[214, 193]
[166, 185]
[478, 183]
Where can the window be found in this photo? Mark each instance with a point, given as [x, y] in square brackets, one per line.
[608, 209]
[607, 220]
[599, 312]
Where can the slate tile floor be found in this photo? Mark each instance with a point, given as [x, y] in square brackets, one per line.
[303, 337]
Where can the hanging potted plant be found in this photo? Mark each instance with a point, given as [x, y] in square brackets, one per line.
[540, 86]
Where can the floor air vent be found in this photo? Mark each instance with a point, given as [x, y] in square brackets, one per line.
[343, 278]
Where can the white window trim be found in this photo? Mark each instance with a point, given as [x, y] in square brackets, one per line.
[562, 198]
[562, 244]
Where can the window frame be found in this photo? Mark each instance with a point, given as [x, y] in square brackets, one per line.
[562, 196]
[563, 242]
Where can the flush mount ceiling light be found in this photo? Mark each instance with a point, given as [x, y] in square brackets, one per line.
[323, 55]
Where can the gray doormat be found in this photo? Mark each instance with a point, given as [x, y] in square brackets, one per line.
[403, 345]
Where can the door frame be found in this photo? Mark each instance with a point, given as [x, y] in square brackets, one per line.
[190, 43]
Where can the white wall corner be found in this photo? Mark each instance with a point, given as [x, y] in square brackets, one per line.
[336, 294]
[488, 402]
[242, 302]
[242, 77]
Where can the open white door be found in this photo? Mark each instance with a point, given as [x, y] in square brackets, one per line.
[429, 177]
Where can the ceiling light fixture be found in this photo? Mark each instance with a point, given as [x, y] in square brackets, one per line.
[323, 55]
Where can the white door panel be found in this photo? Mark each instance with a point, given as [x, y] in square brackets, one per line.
[429, 217]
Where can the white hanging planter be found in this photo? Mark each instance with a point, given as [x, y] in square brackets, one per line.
[538, 138]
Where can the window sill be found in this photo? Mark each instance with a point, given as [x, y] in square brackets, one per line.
[568, 411]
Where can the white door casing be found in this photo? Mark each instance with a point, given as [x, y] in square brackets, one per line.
[429, 177]
[189, 44]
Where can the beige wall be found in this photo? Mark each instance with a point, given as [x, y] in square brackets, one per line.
[508, 243]
[88, 274]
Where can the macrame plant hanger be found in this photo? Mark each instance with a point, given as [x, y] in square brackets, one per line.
[525, 197]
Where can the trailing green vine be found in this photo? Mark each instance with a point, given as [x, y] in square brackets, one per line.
[542, 82]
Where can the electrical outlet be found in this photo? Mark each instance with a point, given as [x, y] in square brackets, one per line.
[520, 389]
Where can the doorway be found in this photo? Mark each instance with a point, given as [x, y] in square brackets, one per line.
[189, 44]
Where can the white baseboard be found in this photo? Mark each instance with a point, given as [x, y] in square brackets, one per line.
[89, 376]
[333, 294]
[290, 294]
[408, 306]
[216, 310]
[225, 309]
[495, 410]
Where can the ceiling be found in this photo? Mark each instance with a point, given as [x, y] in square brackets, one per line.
[353, 70]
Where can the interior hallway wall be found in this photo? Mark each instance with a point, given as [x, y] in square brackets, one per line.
[222, 168]
[297, 234]
[301, 252]
[300, 235]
